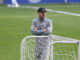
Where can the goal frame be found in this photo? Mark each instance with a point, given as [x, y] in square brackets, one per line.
[61, 40]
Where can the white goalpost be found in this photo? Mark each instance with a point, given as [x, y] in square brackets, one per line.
[60, 48]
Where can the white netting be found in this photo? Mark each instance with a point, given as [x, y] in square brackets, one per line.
[29, 49]
[65, 50]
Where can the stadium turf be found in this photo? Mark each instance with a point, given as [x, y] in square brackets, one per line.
[15, 24]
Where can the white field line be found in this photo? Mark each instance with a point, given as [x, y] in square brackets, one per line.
[50, 10]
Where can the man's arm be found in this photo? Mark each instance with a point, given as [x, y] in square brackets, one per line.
[35, 30]
[49, 29]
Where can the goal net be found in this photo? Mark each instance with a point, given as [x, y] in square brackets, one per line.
[60, 48]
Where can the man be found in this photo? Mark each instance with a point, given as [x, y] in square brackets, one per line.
[42, 26]
[14, 4]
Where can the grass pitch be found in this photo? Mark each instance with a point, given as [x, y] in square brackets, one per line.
[15, 24]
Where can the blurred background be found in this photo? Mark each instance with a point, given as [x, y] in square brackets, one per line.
[16, 19]
[41, 1]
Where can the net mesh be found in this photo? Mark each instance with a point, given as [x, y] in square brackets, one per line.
[29, 49]
[61, 51]
[64, 51]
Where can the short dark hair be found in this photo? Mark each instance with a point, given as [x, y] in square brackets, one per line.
[41, 9]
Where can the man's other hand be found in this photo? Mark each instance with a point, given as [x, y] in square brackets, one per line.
[44, 30]
[35, 28]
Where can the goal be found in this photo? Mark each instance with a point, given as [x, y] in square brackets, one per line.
[60, 48]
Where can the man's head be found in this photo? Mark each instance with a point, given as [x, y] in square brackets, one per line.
[42, 12]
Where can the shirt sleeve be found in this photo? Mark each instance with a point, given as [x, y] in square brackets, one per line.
[35, 32]
[49, 28]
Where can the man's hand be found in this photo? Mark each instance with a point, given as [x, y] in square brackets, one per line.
[44, 30]
[35, 28]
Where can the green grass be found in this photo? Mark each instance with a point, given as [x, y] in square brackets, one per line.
[15, 24]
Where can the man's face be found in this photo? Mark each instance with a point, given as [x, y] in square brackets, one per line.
[42, 15]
